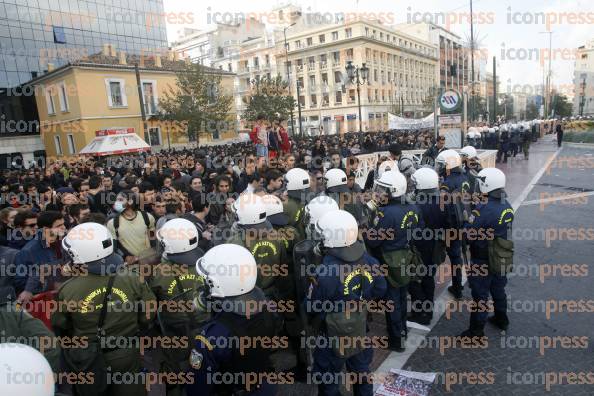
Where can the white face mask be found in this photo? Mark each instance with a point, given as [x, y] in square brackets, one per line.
[119, 206]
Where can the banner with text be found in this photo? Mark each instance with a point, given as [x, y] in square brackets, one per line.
[399, 123]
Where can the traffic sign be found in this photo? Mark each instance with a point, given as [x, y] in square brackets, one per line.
[450, 101]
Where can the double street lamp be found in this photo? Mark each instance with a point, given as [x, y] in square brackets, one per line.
[360, 77]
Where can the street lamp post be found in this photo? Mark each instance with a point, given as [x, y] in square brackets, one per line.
[299, 108]
[289, 74]
[358, 76]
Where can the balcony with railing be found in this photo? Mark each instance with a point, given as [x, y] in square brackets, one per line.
[311, 67]
[324, 65]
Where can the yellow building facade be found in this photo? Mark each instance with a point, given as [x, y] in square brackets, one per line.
[101, 92]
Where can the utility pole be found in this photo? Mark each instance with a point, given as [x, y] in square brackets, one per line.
[548, 83]
[142, 110]
[494, 90]
[299, 108]
[472, 61]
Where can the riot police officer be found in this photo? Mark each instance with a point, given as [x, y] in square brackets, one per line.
[504, 142]
[306, 258]
[430, 245]
[297, 183]
[389, 237]
[177, 286]
[255, 233]
[527, 139]
[108, 291]
[471, 166]
[492, 258]
[453, 187]
[227, 345]
[289, 287]
[18, 362]
[346, 281]
[305, 255]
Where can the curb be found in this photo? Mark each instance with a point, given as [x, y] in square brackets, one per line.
[582, 145]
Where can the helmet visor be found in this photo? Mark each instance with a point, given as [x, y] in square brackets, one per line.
[380, 192]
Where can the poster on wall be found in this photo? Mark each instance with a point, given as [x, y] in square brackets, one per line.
[450, 126]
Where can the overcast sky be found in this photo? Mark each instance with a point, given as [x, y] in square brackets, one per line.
[509, 30]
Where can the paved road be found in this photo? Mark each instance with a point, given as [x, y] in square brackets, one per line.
[528, 181]
[514, 363]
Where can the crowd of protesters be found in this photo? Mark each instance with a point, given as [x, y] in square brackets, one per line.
[41, 204]
[134, 196]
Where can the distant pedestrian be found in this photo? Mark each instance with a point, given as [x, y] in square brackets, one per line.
[559, 131]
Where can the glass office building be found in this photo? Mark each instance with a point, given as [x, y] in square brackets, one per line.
[34, 33]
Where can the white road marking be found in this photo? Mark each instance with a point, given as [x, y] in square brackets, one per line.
[518, 201]
[398, 360]
[559, 198]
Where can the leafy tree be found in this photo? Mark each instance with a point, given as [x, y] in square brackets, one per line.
[269, 97]
[506, 106]
[197, 102]
[562, 106]
[532, 111]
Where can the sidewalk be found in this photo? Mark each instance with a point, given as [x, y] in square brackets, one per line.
[527, 360]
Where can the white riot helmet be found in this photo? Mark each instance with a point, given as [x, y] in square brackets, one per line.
[315, 209]
[275, 210]
[335, 177]
[338, 229]
[20, 361]
[448, 159]
[250, 209]
[491, 179]
[297, 179]
[228, 270]
[179, 239]
[89, 243]
[392, 183]
[468, 152]
[425, 179]
[386, 166]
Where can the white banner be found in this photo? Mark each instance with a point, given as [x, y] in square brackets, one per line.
[399, 123]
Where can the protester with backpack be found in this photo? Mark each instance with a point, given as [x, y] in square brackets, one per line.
[132, 228]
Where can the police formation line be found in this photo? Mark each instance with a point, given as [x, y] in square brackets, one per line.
[227, 290]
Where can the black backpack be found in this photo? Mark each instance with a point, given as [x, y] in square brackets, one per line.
[147, 223]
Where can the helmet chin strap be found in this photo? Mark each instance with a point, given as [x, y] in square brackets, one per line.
[320, 249]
